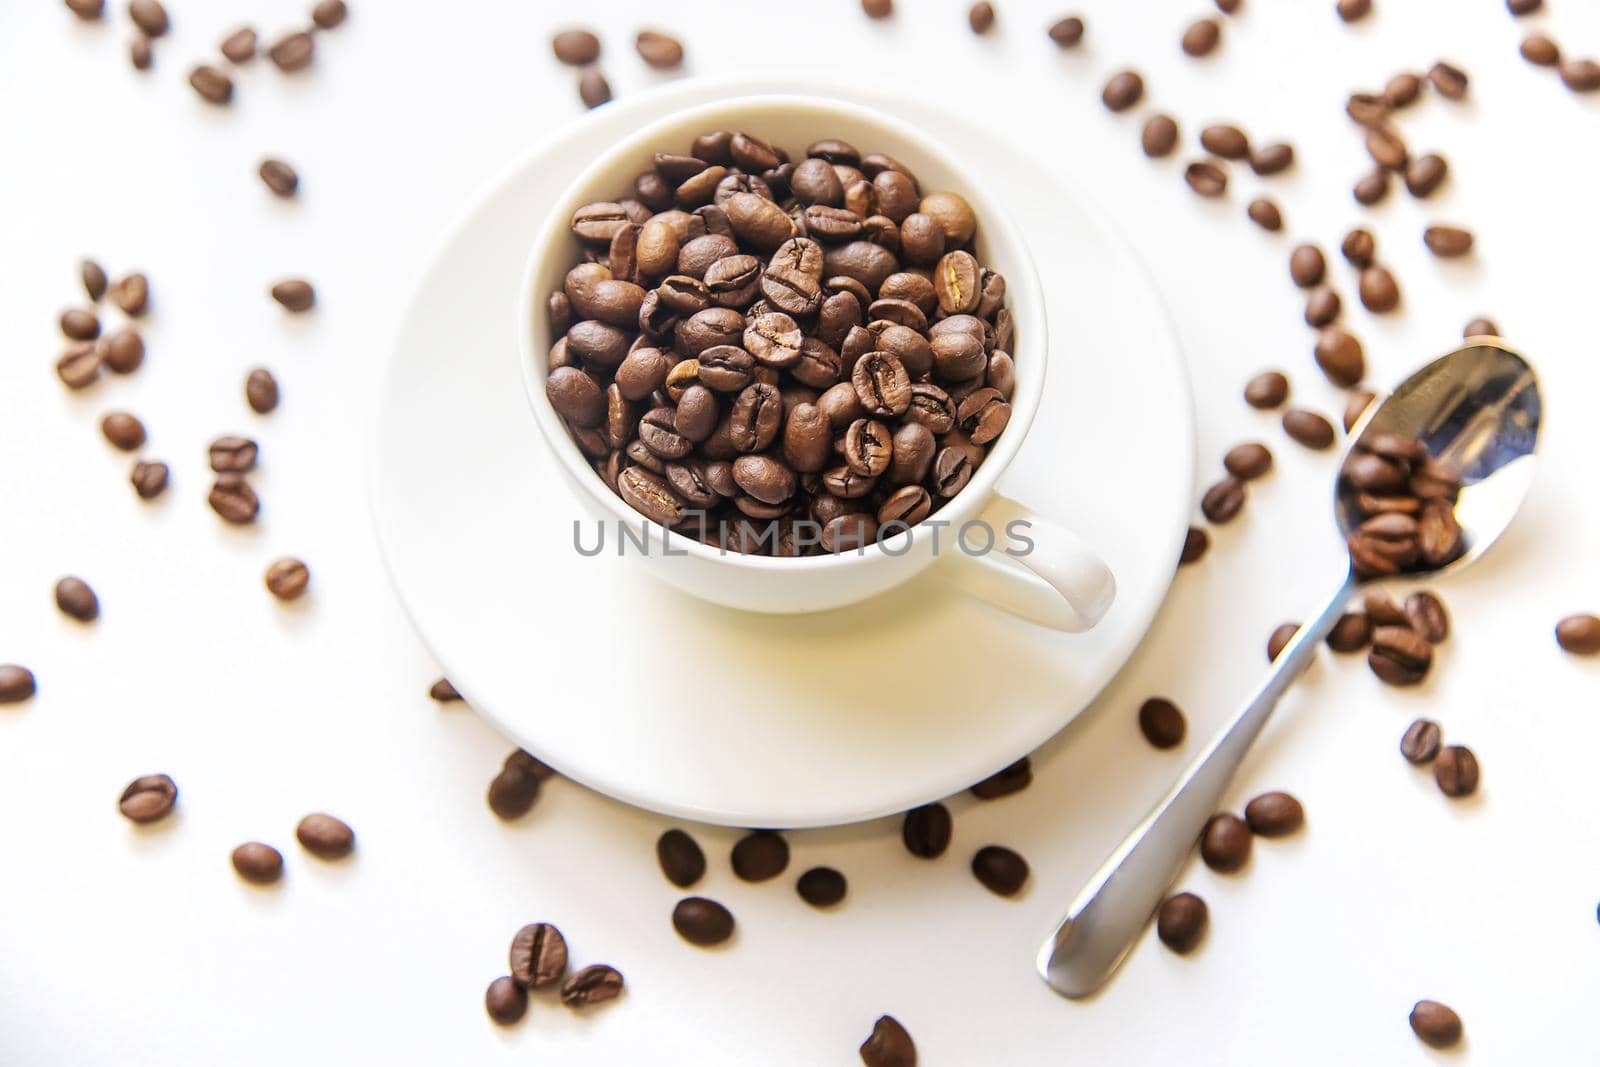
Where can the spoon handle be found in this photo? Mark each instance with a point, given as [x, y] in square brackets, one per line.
[1109, 913]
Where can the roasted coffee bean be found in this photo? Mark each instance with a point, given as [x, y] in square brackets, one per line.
[1308, 428]
[703, 922]
[76, 600]
[764, 478]
[505, 1000]
[1420, 743]
[593, 89]
[575, 396]
[775, 339]
[1264, 213]
[1160, 136]
[79, 366]
[233, 453]
[123, 352]
[325, 837]
[1181, 922]
[1202, 37]
[1580, 75]
[149, 479]
[1382, 610]
[1366, 109]
[1359, 247]
[1356, 406]
[1001, 870]
[1067, 32]
[131, 293]
[260, 390]
[1195, 543]
[755, 418]
[659, 50]
[576, 47]
[1379, 291]
[94, 279]
[87, 10]
[867, 447]
[1351, 633]
[760, 855]
[881, 384]
[1267, 390]
[1447, 242]
[983, 415]
[980, 16]
[1372, 188]
[952, 470]
[1386, 148]
[1307, 266]
[295, 294]
[148, 798]
[1206, 177]
[213, 85]
[1340, 356]
[1450, 81]
[258, 863]
[1162, 724]
[956, 281]
[1480, 327]
[1224, 500]
[758, 222]
[888, 1045]
[538, 956]
[651, 497]
[140, 53]
[1248, 461]
[680, 857]
[1225, 843]
[1279, 639]
[287, 578]
[122, 430]
[1123, 90]
[16, 683]
[1274, 815]
[1455, 771]
[1002, 783]
[328, 14]
[1400, 655]
[1427, 615]
[821, 887]
[513, 790]
[1523, 7]
[80, 324]
[594, 984]
[1425, 174]
[1435, 1024]
[1226, 141]
[908, 505]
[1322, 306]
[1579, 634]
[926, 831]
[1272, 159]
[1353, 10]
[292, 51]
[1402, 90]
[443, 691]
[149, 16]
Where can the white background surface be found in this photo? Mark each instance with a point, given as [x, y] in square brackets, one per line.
[132, 947]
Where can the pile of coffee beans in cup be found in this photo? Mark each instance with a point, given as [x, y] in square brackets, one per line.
[778, 357]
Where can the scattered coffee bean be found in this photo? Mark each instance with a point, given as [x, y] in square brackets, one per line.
[1002, 783]
[680, 857]
[1351, 633]
[94, 279]
[1229, 7]
[149, 16]
[1353, 10]
[292, 52]
[17, 684]
[280, 177]
[1160, 136]
[1379, 291]
[926, 831]
[1067, 32]
[140, 53]
[1000, 869]
[1425, 174]
[124, 431]
[329, 14]
[1228, 142]
[1366, 109]
[1272, 159]
[295, 294]
[1225, 843]
[443, 691]
[1162, 724]
[232, 453]
[1307, 266]
[325, 836]
[1402, 90]
[702, 922]
[595, 984]
[1420, 742]
[288, 578]
[1340, 356]
[1427, 615]
[258, 863]
[79, 366]
[80, 324]
[505, 1000]
[1435, 1024]
[1279, 639]
[1579, 634]
[1224, 500]
[1274, 815]
[1248, 461]
[980, 16]
[877, 9]
[1322, 306]
[888, 1045]
[1359, 248]
[76, 600]
[1123, 90]
[124, 351]
[1449, 80]
[87, 10]
[149, 478]
[131, 293]
[1372, 188]
[1202, 37]
[148, 798]
[1455, 770]
[760, 855]
[1267, 390]
[1540, 50]
[213, 85]
[1308, 428]
[1480, 327]
[1400, 656]
[538, 957]
[1206, 177]
[513, 791]
[1580, 75]
[1386, 148]
[821, 887]
[576, 47]
[1264, 213]
[1382, 610]
[1356, 406]
[261, 391]
[1523, 7]
[593, 89]
[1181, 922]
[660, 51]
[1195, 543]
[525, 761]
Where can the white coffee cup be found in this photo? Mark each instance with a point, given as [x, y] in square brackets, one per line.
[1058, 582]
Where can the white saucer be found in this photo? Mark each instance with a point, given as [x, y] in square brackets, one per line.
[669, 703]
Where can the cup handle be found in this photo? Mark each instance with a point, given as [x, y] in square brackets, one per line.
[1058, 582]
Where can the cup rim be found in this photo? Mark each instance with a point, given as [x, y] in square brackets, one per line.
[1024, 296]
